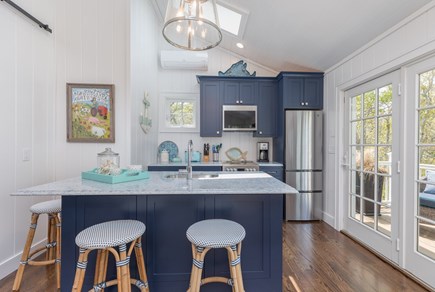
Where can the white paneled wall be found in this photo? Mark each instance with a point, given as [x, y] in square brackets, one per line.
[89, 44]
[411, 39]
[144, 78]
[27, 95]
[91, 47]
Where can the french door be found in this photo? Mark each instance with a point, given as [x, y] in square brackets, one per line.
[371, 154]
[419, 191]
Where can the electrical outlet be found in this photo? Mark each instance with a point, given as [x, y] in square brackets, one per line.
[27, 154]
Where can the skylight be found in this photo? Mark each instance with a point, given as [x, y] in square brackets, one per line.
[229, 19]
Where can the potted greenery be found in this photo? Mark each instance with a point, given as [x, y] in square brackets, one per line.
[369, 183]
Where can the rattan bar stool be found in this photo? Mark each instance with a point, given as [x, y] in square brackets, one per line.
[216, 233]
[52, 209]
[104, 237]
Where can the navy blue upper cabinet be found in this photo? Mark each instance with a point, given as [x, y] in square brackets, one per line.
[239, 91]
[302, 90]
[211, 109]
[266, 108]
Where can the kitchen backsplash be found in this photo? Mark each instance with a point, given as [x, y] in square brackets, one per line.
[242, 140]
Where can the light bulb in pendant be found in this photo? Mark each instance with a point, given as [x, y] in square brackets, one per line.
[203, 34]
[178, 28]
[180, 12]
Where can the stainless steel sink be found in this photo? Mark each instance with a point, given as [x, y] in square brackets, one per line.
[194, 175]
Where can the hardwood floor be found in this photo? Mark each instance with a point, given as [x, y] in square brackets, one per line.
[315, 258]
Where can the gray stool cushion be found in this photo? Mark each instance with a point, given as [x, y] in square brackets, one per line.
[53, 206]
[215, 233]
[110, 234]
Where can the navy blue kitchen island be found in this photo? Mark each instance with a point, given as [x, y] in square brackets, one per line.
[168, 207]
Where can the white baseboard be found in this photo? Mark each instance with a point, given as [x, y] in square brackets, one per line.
[10, 265]
[330, 220]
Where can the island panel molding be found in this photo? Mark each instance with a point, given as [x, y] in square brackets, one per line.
[167, 250]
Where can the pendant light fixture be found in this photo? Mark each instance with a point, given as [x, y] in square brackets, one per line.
[192, 24]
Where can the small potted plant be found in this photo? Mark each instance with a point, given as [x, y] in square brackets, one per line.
[369, 176]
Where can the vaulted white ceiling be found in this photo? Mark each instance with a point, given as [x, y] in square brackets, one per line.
[310, 35]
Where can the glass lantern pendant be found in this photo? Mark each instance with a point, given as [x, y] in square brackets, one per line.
[192, 24]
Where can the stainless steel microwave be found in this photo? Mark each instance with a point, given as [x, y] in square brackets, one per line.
[239, 117]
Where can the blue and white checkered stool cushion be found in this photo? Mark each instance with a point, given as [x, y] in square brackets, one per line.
[215, 233]
[110, 234]
[53, 206]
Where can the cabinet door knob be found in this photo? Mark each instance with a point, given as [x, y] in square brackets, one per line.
[241, 101]
[261, 133]
[217, 132]
[306, 103]
[302, 103]
[237, 101]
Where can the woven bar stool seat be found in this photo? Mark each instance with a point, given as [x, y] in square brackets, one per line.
[54, 206]
[105, 237]
[216, 233]
[52, 209]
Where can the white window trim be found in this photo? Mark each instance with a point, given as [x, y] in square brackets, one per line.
[164, 100]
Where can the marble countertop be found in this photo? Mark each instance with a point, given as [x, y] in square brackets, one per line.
[159, 184]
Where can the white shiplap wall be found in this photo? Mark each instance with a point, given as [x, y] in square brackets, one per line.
[27, 95]
[411, 39]
[89, 44]
[144, 78]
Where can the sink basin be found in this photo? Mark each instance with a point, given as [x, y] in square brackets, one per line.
[237, 175]
[195, 175]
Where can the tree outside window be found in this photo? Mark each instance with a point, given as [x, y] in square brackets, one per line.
[179, 112]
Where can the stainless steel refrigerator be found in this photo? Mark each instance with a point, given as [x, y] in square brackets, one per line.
[303, 164]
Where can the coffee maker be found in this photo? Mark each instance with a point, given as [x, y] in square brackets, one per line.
[263, 151]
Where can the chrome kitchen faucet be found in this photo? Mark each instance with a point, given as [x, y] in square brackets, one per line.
[189, 159]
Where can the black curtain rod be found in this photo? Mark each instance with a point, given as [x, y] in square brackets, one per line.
[41, 25]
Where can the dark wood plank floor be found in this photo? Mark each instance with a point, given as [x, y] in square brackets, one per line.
[315, 258]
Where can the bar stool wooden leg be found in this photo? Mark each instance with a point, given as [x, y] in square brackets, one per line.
[194, 271]
[26, 252]
[118, 269]
[233, 269]
[230, 256]
[101, 269]
[239, 267]
[48, 254]
[58, 248]
[197, 267]
[141, 263]
[81, 270]
[123, 263]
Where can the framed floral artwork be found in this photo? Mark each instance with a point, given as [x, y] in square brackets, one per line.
[90, 113]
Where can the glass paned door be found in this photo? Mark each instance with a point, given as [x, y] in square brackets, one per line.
[419, 190]
[425, 194]
[371, 133]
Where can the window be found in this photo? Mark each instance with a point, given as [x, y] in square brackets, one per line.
[231, 19]
[179, 113]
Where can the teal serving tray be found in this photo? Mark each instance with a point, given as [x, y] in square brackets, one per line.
[114, 179]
